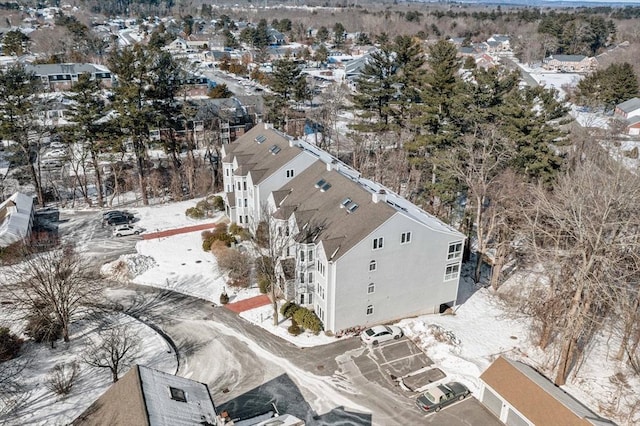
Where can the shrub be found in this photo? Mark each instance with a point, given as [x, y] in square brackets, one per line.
[217, 203]
[204, 206]
[62, 378]
[43, 329]
[263, 284]
[218, 247]
[288, 309]
[219, 233]
[308, 320]
[224, 298]
[9, 344]
[194, 213]
[294, 328]
[237, 265]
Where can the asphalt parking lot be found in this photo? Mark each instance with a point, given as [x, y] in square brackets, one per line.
[405, 369]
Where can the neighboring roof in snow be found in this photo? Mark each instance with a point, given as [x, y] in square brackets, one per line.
[633, 121]
[630, 105]
[145, 396]
[55, 69]
[536, 397]
[567, 58]
[15, 218]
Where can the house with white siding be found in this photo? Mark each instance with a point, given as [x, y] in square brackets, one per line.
[360, 254]
[16, 218]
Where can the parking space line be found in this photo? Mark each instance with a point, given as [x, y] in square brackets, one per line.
[400, 359]
[395, 342]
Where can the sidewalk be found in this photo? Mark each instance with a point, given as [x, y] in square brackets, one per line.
[248, 304]
[170, 232]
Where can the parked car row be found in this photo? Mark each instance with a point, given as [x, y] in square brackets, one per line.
[437, 395]
[117, 217]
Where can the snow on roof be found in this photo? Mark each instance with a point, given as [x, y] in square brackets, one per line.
[15, 218]
[174, 400]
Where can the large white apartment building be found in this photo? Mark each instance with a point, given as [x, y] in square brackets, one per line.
[362, 254]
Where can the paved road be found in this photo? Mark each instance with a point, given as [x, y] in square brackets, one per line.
[509, 63]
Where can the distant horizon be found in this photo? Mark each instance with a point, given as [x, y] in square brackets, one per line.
[537, 3]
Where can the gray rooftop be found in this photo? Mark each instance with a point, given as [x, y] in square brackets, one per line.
[567, 58]
[630, 105]
[55, 69]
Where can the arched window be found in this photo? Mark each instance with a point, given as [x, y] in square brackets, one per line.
[373, 265]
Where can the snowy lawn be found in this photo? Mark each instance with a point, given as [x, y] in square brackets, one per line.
[44, 407]
[263, 317]
[177, 263]
[170, 216]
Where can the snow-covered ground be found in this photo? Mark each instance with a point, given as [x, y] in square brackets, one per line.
[44, 407]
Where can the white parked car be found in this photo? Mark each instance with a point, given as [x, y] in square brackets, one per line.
[122, 230]
[381, 333]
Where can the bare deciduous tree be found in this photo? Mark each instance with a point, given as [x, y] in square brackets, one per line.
[56, 284]
[584, 235]
[63, 377]
[116, 349]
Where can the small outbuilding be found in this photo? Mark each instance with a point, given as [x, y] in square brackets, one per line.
[16, 218]
[520, 396]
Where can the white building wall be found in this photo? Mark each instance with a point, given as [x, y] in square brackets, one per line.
[277, 180]
[634, 113]
[408, 279]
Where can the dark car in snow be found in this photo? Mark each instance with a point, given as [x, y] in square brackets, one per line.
[439, 396]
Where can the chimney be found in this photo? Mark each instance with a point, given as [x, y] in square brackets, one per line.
[332, 165]
[381, 195]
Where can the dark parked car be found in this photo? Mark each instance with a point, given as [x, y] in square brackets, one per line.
[441, 395]
[119, 219]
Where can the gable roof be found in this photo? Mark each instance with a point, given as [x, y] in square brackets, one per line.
[630, 105]
[144, 396]
[261, 145]
[317, 209]
[535, 397]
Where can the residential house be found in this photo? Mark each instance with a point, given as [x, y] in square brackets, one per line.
[276, 38]
[61, 77]
[572, 63]
[181, 44]
[519, 395]
[16, 218]
[633, 126]
[234, 117]
[628, 109]
[498, 45]
[145, 396]
[360, 254]
[259, 162]
[148, 397]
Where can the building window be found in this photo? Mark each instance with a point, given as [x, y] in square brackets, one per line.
[301, 255]
[455, 251]
[452, 272]
[310, 255]
[371, 288]
[246, 204]
[373, 265]
[178, 394]
[289, 252]
[238, 186]
[244, 185]
[302, 277]
[246, 218]
[240, 217]
[227, 172]
[378, 243]
[290, 173]
[370, 310]
[310, 277]
[310, 299]
[405, 237]
[302, 299]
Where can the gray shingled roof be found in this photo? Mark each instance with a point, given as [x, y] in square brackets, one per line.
[55, 69]
[248, 152]
[340, 230]
[567, 58]
[630, 105]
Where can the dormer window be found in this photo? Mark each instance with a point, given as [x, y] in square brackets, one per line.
[275, 149]
[261, 138]
[325, 187]
[320, 183]
[345, 202]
